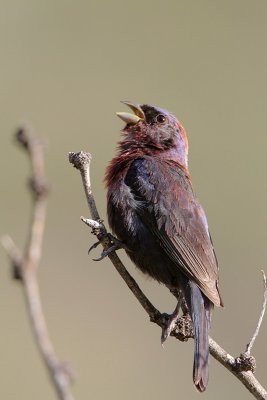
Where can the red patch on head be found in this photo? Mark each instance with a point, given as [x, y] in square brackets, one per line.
[183, 133]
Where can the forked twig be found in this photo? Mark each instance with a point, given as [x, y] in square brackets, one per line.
[25, 266]
[81, 161]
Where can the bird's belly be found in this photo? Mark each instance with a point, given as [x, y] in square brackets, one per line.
[151, 259]
[146, 252]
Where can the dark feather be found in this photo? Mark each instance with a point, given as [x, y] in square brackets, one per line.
[170, 210]
[201, 314]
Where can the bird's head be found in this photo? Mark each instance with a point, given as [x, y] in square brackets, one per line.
[155, 130]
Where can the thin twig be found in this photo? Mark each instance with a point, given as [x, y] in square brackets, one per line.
[246, 362]
[252, 340]
[25, 266]
[81, 161]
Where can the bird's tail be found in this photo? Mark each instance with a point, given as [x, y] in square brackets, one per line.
[200, 309]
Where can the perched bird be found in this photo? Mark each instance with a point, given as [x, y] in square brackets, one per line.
[154, 212]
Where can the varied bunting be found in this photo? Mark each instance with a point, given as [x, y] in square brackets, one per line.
[153, 210]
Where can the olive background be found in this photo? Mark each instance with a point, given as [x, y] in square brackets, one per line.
[65, 66]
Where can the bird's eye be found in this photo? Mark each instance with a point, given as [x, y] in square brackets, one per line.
[161, 118]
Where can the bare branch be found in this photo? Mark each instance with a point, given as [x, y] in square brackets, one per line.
[183, 328]
[82, 161]
[25, 267]
[246, 377]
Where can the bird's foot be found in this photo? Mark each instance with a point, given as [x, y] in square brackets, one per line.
[172, 319]
[116, 244]
[166, 331]
[180, 327]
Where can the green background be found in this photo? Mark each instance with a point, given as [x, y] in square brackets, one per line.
[65, 65]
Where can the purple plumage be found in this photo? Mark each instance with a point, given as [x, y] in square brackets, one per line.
[153, 210]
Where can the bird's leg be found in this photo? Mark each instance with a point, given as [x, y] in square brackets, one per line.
[166, 331]
[176, 292]
[184, 307]
[179, 294]
[116, 244]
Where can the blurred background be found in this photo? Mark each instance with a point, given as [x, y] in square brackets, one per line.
[64, 68]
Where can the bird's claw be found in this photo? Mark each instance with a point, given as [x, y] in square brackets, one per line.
[107, 252]
[116, 245]
[94, 246]
[166, 331]
[171, 321]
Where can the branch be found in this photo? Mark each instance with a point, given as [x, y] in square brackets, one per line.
[25, 266]
[252, 340]
[183, 328]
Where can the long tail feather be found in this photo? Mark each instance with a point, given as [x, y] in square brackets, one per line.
[200, 308]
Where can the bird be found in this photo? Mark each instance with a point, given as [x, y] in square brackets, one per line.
[154, 212]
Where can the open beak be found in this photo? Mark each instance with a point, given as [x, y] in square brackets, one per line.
[132, 118]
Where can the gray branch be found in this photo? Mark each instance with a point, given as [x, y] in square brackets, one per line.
[25, 265]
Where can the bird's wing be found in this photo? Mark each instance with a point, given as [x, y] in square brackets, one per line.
[170, 210]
